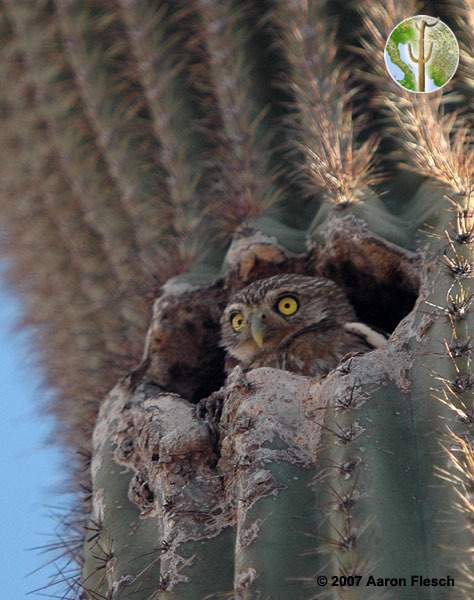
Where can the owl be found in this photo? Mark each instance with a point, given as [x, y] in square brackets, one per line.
[294, 322]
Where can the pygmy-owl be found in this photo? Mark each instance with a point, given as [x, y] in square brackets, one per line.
[294, 322]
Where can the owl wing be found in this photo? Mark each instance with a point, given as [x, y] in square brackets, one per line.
[310, 353]
[373, 338]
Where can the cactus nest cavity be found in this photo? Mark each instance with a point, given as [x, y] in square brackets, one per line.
[159, 156]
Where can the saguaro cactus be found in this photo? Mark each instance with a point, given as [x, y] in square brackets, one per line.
[422, 57]
[161, 156]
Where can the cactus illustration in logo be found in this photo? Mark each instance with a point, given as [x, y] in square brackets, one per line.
[422, 54]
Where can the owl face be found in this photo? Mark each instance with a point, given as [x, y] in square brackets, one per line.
[264, 315]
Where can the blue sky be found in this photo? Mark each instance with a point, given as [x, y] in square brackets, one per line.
[30, 472]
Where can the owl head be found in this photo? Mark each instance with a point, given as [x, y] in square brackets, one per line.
[263, 316]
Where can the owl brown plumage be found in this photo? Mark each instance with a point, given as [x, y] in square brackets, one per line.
[293, 322]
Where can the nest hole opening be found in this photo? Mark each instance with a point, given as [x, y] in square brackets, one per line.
[381, 303]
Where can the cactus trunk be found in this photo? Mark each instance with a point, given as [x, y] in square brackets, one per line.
[161, 156]
[422, 58]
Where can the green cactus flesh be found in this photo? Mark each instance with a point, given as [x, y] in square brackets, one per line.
[174, 152]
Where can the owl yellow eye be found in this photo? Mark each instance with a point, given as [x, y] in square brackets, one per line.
[237, 321]
[287, 305]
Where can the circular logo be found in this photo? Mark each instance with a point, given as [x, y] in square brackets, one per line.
[421, 54]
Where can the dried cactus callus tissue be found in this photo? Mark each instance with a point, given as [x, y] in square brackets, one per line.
[247, 257]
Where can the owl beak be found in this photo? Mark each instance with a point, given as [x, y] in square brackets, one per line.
[258, 328]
